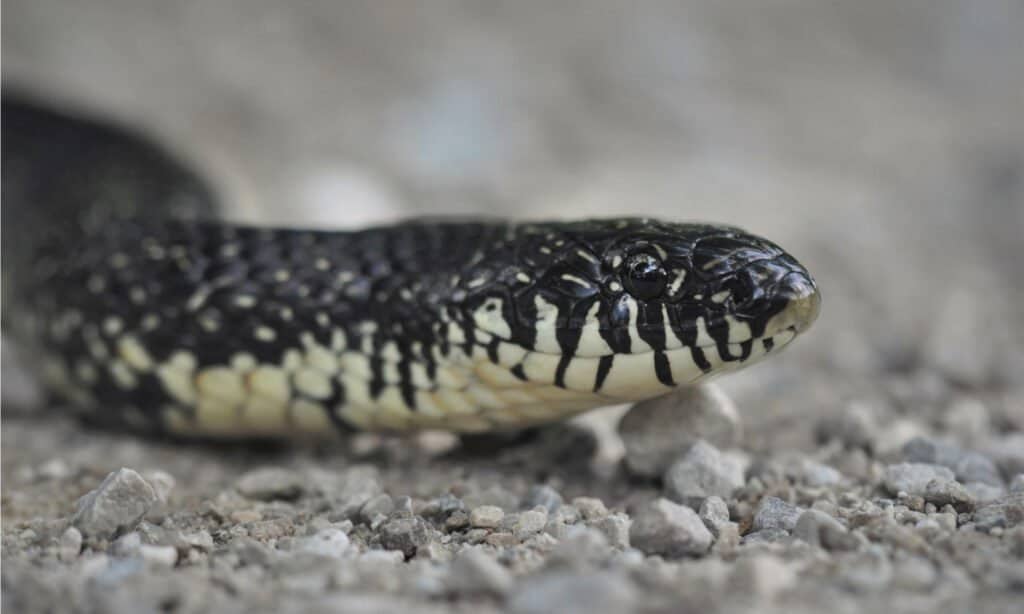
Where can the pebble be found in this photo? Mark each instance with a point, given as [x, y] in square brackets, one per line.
[475, 572]
[820, 529]
[774, 513]
[117, 505]
[669, 529]
[855, 427]
[913, 478]
[762, 576]
[378, 505]
[581, 546]
[330, 542]
[589, 508]
[765, 536]
[162, 483]
[542, 495]
[269, 483]
[701, 472]
[404, 534]
[1017, 483]
[70, 545]
[616, 528]
[714, 513]
[159, 556]
[657, 431]
[571, 592]
[1002, 513]
[948, 492]
[529, 523]
[486, 517]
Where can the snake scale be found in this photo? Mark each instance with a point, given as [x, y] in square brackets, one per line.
[145, 311]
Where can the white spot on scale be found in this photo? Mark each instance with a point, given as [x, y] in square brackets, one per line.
[132, 352]
[321, 264]
[281, 275]
[738, 331]
[677, 282]
[615, 286]
[291, 360]
[523, 277]
[122, 375]
[720, 296]
[245, 301]
[221, 384]
[265, 333]
[312, 383]
[308, 417]
[112, 325]
[269, 383]
[243, 361]
[576, 280]
[488, 317]
[587, 256]
[591, 342]
[703, 338]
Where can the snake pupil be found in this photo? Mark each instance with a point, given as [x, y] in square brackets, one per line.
[644, 276]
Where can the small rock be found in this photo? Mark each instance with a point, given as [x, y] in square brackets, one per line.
[571, 592]
[443, 507]
[159, 556]
[616, 528]
[774, 513]
[1017, 483]
[486, 517]
[714, 513]
[582, 546]
[270, 483]
[127, 545]
[867, 572]
[854, 428]
[765, 536]
[819, 529]
[943, 492]
[813, 473]
[542, 495]
[405, 534]
[701, 472]
[762, 575]
[975, 467]
[245, 516]
[70, 545]
[667, 528]
[162, 483]
[474, 572]
[54, 469]
[913, 478]
[458, 520]
[328, 542]
[529, 523]
[1001, 514]
[199, 540]
[379, 505]
[590, 508]
[116, 506]
[657, 431]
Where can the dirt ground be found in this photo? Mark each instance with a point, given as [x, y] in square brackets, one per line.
[879, 460]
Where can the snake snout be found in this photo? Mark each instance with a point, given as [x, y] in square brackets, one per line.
[797, 302]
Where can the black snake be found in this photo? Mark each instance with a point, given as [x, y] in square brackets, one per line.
[145, 311]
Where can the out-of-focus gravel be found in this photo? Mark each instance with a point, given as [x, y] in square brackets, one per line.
[877, 465]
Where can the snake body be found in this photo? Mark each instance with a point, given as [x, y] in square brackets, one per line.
[146, 311]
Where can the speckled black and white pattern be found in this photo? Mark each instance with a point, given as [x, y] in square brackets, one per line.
[148, 313]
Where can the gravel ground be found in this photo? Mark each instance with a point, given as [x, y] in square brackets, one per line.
[877, 465]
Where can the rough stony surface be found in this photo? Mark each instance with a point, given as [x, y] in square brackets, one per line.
[879, 141]
[669, 529]
[115, 506]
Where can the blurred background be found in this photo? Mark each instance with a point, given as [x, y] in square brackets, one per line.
[881, 142]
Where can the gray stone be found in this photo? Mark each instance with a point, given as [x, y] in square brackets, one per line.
[820, 529]
[127, 545]
[486, 517]
[714, 513]
[948, 492]
[701, 472]
[590, 508]
[529, 523]
[542, 495]
[268, 483]
[669, 529]
[475, 572]
[570, 592]
[657, 431]
[70, 545]
[443, 507]
[117, 505]
[404, 534]
[774, 513]
[764, 576]
[1017, 483]
[813, 473]
[984, 493]
[330, 542]
[159, 556]
[1001, 514]
[616, 528]
[976, 467]
[376, 506]
[162, 483]
[855, 427]
[581, 546]
[766, 536]
[913, 478]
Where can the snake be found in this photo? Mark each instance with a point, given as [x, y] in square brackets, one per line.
[142, 307]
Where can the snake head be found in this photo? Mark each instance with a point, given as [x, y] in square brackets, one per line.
[626, 309]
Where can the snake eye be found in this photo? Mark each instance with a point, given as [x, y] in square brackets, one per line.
[644, 276]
